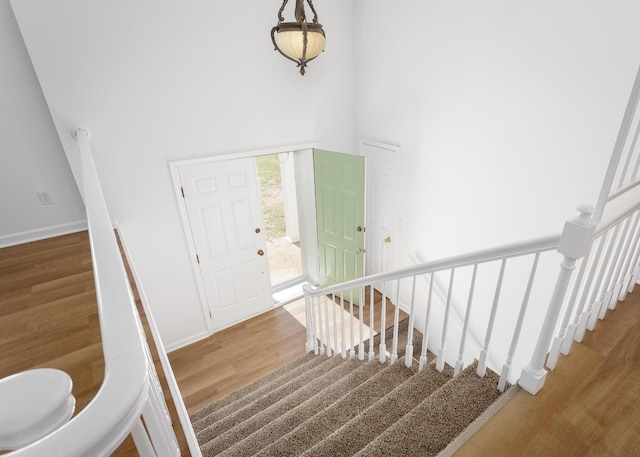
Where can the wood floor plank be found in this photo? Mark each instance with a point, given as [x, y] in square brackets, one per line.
[590, 404]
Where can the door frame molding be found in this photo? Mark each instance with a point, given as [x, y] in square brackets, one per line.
[174, 169]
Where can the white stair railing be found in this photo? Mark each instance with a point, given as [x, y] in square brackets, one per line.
[619, 197]
[318, 301]
[130, 400]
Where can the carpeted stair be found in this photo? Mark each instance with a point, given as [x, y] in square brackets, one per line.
[319, 406]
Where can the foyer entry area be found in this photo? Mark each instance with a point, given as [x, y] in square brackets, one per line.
[279, 203]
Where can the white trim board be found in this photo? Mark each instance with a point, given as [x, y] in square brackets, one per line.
[42, 233]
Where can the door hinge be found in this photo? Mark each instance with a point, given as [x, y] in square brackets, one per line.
[197, 259]
[182, 190]
[210, 315]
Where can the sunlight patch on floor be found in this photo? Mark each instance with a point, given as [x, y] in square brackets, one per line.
[336, 317]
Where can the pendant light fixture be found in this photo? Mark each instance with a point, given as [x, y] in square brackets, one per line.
[298, 41]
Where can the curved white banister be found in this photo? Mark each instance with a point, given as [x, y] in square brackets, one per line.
[116, 409]
[486, 255]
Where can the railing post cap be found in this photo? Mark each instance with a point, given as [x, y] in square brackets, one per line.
[586, 209]
[585, 213]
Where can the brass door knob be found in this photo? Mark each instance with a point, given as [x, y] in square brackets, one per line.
[387, 239]
[260, 252]
[258, 230]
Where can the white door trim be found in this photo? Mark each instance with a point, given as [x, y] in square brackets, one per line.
[184, 216]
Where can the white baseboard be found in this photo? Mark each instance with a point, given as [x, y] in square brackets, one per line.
[42, 233]
[187, 341]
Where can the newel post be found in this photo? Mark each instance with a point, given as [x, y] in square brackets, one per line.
[310, 346]
[576, 239]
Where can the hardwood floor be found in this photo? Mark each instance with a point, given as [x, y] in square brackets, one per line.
[232, 358]
[48, 318]
[589, 406]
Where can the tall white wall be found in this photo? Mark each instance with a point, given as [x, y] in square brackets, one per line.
[32, 159]
[157, 82]
[506, 112]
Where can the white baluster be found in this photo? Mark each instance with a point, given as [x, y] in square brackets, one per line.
[327, 340]
[396, 319]
[361, 322]
[574, 242]
[635, 268]
[158, 423]
[425, 336]
[588, 285]
[567, 341]
[307, 314]
[335, 323]
[447, 311]
[343, 336]
[408, 356]
[626, 270]
[320, 328]
[352, 335]
[141, 440]
[633, 148]
[383, 318]
[506, 369]
[596, 294]
[608, 292]
[372, 351]
[465, 326]
[627, 162]
[619, 262]
[482, 362]
[632, 258]
[620, 269]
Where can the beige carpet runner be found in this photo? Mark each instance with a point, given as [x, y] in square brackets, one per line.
[319, 406]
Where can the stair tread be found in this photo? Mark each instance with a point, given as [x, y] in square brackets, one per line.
[215, 424]
[348, 439]
[254, 390]
[327, 421]
[438, 419]
[229, 431]
[281, 423]
[329, 406]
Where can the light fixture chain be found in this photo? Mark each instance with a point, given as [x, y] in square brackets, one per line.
[315, 14]
[280, 16]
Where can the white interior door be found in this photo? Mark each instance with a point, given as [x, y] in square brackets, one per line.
[223, 209]
[382, 205]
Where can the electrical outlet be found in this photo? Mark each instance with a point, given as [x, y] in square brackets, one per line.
[45, 198]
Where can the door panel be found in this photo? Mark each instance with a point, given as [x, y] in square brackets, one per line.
[382, 206]
[224, 212]
[339, 180]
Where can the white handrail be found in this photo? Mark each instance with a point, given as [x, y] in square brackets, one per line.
[487, 255]
[116, 409]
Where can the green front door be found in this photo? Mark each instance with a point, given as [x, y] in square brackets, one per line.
[339, 180]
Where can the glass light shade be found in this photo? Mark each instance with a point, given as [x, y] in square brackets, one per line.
[291, 43]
